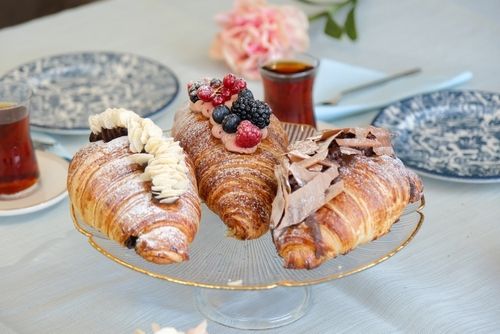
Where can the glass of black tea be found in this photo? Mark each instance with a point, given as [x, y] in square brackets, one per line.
[288, 88]
[18, 166]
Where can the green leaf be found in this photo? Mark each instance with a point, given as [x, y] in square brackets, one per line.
[332, 28]
[318, 16]
[350, 25]
[319, 3]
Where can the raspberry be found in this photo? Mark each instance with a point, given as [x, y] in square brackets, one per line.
[247, 135]
[229, 80]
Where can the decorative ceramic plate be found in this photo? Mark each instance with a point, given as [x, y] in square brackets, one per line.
[218, 261]
[68, 88]
[51, 187]
[452, 135]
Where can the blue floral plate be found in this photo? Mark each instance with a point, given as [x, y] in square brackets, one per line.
[68, 88]
[452, 135]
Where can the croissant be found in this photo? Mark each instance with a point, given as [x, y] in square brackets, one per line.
[365, 187]
[239, 188]
[107, 188]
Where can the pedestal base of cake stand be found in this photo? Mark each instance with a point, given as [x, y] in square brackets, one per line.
[253, 310]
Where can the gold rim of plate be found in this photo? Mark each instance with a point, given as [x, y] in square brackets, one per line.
[291, 129]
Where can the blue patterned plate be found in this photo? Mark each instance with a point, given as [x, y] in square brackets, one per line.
[68, 88]
[452, 135]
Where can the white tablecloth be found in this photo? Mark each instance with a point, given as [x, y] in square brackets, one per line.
[447, 280]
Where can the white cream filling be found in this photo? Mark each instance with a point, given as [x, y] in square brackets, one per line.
[166, 166]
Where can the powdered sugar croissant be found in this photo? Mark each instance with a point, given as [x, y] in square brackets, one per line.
[234, 147]
[356, 188]
[239, 188]
[136, 187]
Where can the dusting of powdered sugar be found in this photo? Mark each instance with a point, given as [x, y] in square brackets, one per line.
[225, 178]
[161, 237]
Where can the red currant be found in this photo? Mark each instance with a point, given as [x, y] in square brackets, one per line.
[229, 80]
[226, 93]
[205, 93]
[240, 84]
[217, 100]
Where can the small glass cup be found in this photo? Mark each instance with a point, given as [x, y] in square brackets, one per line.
[288, 88]
[18, 166]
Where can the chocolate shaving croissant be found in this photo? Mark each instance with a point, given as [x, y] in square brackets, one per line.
[239, 188]
[108, 192]
[375, 189]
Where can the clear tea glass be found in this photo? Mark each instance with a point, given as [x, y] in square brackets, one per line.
[18, 166]
[288, 88]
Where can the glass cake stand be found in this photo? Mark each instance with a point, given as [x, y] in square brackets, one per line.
[243, 284]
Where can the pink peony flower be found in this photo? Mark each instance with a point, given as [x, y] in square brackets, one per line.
[254, 32]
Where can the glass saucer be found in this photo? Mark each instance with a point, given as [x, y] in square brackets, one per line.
[50, 189]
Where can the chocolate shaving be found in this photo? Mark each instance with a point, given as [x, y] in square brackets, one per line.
[349, 151]
[308, 176]
[280, 202]
[318, 157]
[307, 199]
[316, 168]
[303, 175]
[305, 147]
[360, 143]
[296, 156]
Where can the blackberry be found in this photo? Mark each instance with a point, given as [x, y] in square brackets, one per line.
[262, 116]
[230, 123]
[246, 93]
[219, 113]
[243, 107]
[255, 111]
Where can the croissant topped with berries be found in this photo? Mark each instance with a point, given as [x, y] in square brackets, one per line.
[136, 186]
[336, 191]
[234, 142]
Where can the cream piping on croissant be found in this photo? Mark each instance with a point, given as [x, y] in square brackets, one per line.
[155, 208]
[322, 209]
[164, 158]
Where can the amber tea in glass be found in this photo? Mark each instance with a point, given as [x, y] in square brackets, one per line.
[288, 88]
[18, 166]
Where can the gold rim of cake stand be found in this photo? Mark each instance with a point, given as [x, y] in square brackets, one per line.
[285, 283]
